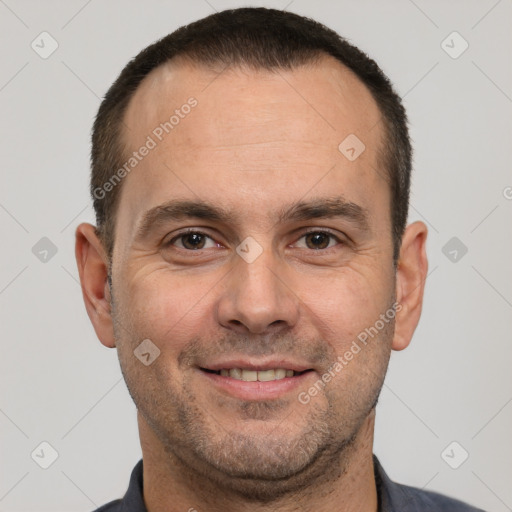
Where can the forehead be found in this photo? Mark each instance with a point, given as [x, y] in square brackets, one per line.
[249, 136]
[325, 92]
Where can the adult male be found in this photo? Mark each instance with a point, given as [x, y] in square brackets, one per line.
[252, 265]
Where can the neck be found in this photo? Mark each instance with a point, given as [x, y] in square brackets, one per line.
[347, 485]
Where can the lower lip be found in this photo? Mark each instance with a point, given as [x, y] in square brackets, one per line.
[258, 390]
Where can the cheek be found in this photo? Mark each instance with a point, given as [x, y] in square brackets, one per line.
[350, 302]
[170, 309]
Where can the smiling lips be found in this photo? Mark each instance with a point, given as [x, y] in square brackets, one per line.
[250, 375]
[256, 380]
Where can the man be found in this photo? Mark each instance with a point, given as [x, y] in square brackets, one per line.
[252, 265]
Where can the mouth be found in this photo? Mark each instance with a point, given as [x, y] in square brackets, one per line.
[252, 375]
[251, 381]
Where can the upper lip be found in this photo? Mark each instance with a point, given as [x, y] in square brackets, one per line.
[256, 365]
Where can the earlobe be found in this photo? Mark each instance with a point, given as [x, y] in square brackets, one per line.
[410, 283]
[92, 265]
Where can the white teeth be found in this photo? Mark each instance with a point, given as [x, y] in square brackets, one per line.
[266, 375]
[236, 373]
[249, 375]
[254, 375]
[280, 373]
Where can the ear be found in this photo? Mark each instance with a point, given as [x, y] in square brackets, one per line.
[410, 283]
[92, 264]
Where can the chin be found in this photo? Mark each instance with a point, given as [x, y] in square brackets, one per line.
[263, 465]
[264, 470]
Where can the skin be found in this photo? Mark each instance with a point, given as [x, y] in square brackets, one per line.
[256, 142]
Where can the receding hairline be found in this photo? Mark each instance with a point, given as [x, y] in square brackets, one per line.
[189, 62]
[215, 69]
[250, 38]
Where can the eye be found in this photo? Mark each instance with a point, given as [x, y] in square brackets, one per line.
[318, 240]
[197, 240]
[192, 240]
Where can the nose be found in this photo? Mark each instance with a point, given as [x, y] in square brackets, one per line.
[258, 298]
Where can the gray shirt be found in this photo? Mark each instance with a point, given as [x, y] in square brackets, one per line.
[392, 497]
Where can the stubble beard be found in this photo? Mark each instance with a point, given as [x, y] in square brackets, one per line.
[260, 469]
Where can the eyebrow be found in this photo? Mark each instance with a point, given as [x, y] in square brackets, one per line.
[321, 208]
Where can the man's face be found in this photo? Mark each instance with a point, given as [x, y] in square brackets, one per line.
[256, 144]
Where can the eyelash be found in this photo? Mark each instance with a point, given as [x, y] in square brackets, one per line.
[196, 232]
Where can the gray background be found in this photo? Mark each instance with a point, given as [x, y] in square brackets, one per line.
[60, 385]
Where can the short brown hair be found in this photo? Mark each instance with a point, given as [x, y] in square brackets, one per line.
[259, 38]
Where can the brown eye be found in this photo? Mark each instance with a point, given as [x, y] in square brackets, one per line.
[318, 240]
[192, 240]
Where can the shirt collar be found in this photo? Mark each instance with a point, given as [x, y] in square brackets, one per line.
[133, 500]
